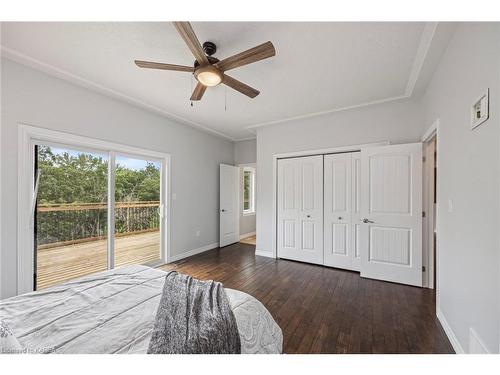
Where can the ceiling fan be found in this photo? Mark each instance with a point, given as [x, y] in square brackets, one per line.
[208, 70]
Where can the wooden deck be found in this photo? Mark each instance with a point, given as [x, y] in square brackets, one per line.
[59, 264]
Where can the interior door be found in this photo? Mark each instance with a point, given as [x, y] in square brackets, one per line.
[300, 209]
[391, 213]
[337, 211]
[356, 210]
[229, 212]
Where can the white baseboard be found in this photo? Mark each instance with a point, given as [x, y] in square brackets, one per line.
[476, 345]
[264, 253]
[246, 235]
[192, 252]
[449, 332]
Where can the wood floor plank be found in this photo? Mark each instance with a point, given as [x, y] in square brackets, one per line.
[327, 310]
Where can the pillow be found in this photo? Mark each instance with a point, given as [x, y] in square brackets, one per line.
[8, 342]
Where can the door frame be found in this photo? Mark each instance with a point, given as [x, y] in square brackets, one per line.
[28, 135]
[428, 247]
[295, 154]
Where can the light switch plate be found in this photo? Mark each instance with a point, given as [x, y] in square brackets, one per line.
[480, 110]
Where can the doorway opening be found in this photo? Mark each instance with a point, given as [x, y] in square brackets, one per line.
[429, 211]
[94, 210]
[247, 202]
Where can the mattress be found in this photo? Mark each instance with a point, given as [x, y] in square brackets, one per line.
[114, 312]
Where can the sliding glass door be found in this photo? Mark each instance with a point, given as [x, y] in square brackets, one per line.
[137, 211]
[74, 236]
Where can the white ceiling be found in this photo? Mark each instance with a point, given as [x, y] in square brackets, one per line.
[318, 67]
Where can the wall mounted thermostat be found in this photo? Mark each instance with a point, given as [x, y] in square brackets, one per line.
[480, 110]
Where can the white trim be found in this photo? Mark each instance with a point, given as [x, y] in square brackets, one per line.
[423, 49]
[320, 113]
[449, 332]
[247, 235]
[28, 135]
[253, 187]
[266, 254]
[431, 130]
[474, 337]
[418, 62]
[245, 139]
[323, 151]
[111, 206]
[428, 222]
[190, 253]
[88, 84]
[431, 219]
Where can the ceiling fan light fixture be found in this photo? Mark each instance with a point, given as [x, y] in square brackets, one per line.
[208, 76]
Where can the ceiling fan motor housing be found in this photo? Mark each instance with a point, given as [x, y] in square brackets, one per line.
[209, 48]
[207, 69]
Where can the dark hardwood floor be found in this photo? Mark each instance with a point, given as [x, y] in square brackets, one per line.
[326, 310]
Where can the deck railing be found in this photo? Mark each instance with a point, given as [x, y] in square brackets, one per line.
[59, 224]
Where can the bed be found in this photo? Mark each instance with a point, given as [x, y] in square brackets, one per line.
[114, 311]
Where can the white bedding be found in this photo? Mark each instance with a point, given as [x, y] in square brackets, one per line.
[114, 311]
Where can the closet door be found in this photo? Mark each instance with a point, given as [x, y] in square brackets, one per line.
[300, 209]
[356, 210]
[338, 241]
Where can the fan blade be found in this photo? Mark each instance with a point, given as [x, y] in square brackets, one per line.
[198, 92]
[155, 65]
[240, 86]
[247, 57]
[187, 33]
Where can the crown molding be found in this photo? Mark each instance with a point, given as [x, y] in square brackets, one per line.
[244, 139]
[316, 114]
[418, 62]
[423, 48]
[23, 59]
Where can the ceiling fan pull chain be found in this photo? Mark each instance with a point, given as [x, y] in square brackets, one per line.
[225, 98]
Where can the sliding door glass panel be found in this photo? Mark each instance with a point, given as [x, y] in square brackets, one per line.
[137, 208]
[71, 214]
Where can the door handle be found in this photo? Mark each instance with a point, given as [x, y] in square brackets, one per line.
[223, 210]
[366, 221]
[308, 216]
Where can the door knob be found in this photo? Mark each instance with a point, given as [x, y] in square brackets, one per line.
[366, 221]
[308, 216]
[223, 210]
[340, 217]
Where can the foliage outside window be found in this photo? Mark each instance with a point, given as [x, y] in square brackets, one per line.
[248, 191]
[73, 192]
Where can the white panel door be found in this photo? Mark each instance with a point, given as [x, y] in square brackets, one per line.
[337, 211]
[229, 208]
[391, 213]
[356, 210]
[300, 209]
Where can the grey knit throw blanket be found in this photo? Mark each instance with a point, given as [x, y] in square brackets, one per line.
[194, 316]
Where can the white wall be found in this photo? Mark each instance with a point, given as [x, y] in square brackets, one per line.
[398, 122]
[468, 173]
[245, 153]
[32, 97]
